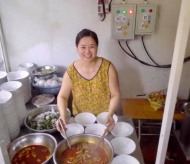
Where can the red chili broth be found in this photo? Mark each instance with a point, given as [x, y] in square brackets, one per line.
[84, 153]
[33, 154]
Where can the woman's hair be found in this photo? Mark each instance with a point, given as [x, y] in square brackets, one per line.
[85, 33]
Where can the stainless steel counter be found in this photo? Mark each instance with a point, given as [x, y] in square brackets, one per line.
[137, 153]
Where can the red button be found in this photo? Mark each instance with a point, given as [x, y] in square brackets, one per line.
[150, 10]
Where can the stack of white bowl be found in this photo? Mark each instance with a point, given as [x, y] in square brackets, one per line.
[4, 134]
[3, 77]
[15, 87]
[29, 67]
[23, 77]
[9, 114]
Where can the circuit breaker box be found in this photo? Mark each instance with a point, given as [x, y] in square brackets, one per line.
[123, 21]
[145, 19]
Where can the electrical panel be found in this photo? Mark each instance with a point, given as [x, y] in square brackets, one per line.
[145, 19]
[123, 21]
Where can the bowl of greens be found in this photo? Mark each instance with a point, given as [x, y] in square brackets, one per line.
[43, 119]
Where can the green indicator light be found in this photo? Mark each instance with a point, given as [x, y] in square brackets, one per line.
[142, 10]
[117, 11]
[124, 11]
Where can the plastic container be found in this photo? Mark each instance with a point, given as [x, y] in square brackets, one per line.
[48, 90]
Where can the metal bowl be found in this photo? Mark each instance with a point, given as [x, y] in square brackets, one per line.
[43, 139]
[44, 71]
[40, 110]
[92, 138]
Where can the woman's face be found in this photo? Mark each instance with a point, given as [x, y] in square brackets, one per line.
[87, 48]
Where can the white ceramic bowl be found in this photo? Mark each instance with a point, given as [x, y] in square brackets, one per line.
[85, 118]
[5, 96]
[73, 129]
[95, 129]
[101, 118]
[124, 159]
[122, 129]
[17, 75]
[3, 77]
[11, 85]
[26, 66]
[123, 145]
[3, 74]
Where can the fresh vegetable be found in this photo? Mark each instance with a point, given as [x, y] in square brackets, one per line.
[44, 121]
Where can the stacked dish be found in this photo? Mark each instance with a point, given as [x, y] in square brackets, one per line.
[15, 87]
[29, 67]
[4, 135]
[23, 77]
[9, 114]
[3, 77]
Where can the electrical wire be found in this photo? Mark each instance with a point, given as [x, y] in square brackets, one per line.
[140, 61]
[144, 63]
[102, 18]
[147, 51]
[169, 65]
[110, 6]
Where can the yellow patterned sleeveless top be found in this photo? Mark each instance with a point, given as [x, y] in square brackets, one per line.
[90, 95]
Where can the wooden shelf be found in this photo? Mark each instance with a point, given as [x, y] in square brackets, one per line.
[141, 109]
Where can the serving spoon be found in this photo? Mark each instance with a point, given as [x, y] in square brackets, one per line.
[103, 136]
[63, 133]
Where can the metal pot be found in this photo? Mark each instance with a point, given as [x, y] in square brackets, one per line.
[62, 146]
[43, 139]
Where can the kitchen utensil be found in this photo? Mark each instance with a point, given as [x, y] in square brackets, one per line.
[63, 133]
[91, 138]
[44, 71]
[103, 136]
[43, 139]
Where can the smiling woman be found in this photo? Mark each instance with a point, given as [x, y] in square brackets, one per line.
[92, 80]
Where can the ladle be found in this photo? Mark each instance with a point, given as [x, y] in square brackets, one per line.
[63, 133]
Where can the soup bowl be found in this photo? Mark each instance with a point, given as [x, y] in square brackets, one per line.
[31, 139]
[95, 147]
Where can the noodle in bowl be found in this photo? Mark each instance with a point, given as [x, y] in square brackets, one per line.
[84, 148]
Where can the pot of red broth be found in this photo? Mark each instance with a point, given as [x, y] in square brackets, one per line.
[33, 148]
[84, 150]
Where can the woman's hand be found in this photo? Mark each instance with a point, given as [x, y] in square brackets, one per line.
[58, 126]
[110, 122]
